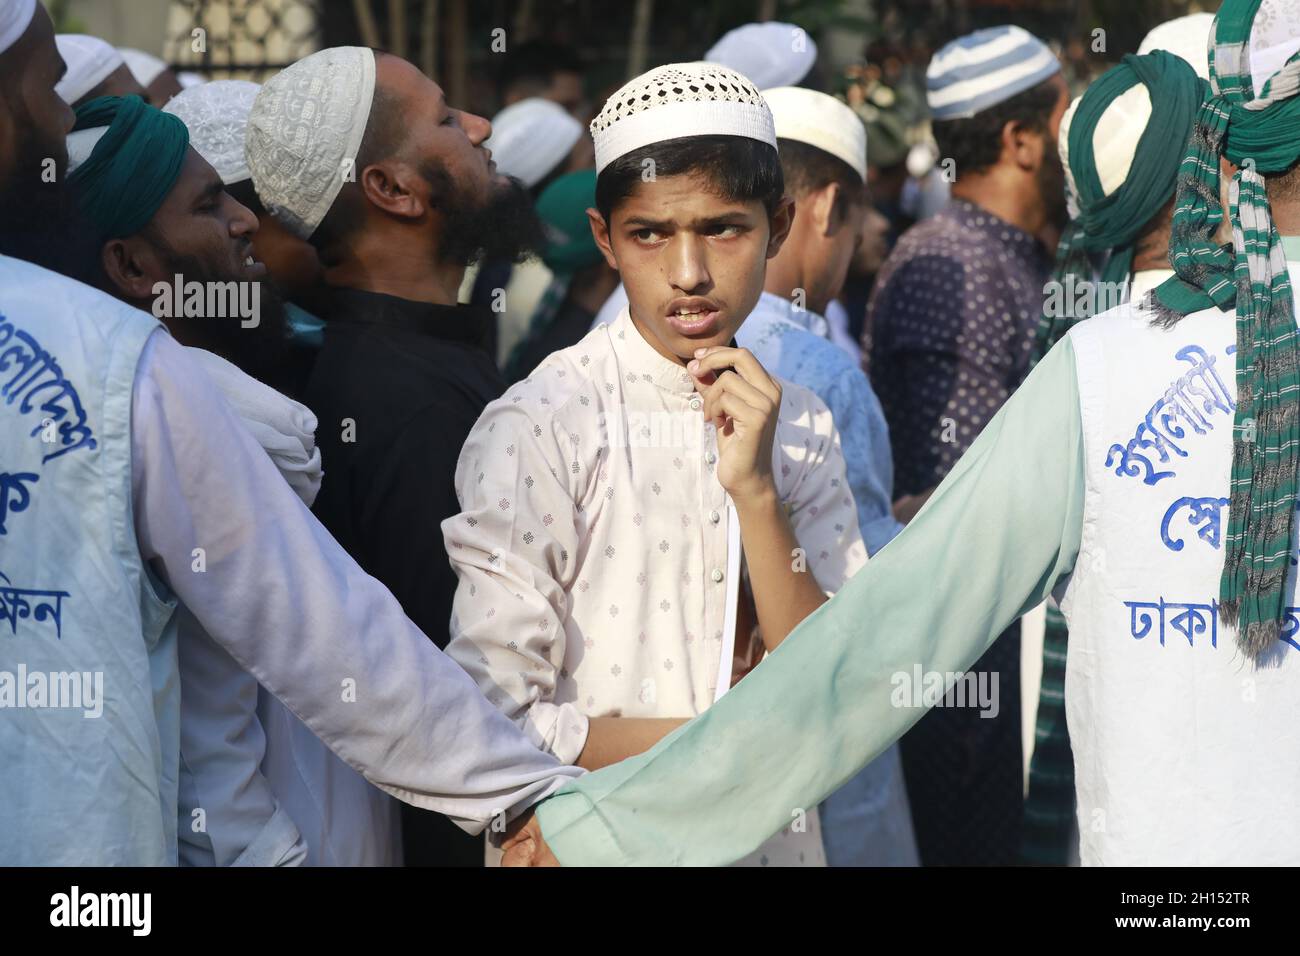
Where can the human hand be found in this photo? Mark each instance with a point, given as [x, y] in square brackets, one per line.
[743, 403]
[524, 844]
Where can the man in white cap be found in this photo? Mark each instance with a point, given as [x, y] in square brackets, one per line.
[152, 73]
[268, 788]
[615, 490]
[94, 69]
[1166, 528]
[216, 115]
[361, 155]
[949, 330]
[770, 54]
[823, 150]
[132, 483]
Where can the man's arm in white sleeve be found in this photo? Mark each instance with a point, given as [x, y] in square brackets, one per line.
[218, 523]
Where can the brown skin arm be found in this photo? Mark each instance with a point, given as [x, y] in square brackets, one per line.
[906, 507]
[611, 739]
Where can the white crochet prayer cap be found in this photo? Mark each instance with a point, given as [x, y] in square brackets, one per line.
[145, 67]
[216, 114]
[1115, 139]
[821, 121]
[770, 54]
[1274, 39]
[81, 144]
[304, 131]
[89, 59]
[1187, 38]
[15, 18]
[678, 100]
[530, 138]
[985, 68]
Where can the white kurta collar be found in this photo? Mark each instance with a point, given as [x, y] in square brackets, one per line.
[643, 363]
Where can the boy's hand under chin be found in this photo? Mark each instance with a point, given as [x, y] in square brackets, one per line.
[743, 403]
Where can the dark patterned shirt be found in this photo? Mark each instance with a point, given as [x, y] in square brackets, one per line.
[949, 331]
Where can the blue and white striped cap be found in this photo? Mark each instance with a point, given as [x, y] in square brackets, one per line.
[985, 68]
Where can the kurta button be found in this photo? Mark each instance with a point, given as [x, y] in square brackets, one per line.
[696, 404]
[710, 458]
[714, 517]
[717, 575]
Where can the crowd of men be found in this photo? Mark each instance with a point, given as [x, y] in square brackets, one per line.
[380, 476]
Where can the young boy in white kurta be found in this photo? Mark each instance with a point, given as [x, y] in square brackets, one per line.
[593, 548]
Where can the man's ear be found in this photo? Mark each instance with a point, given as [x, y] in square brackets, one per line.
[133, 268]
[827, 209]
[600, 232]
[780, 221]
[388, 186]
[1022, 145]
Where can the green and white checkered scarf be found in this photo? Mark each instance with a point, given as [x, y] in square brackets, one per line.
[1260, 135]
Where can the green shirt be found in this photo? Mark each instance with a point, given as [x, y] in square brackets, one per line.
[992, 542]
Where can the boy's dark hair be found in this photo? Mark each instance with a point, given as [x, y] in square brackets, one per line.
[975, 143]
[531, 67]
[807, 169]
[736, 167]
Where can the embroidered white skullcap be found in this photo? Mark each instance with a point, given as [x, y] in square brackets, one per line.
[15, 18]
[770, 54]
[1274, 39]
[985, 68]
[90, 60]
[216, 114]
[81, 144]
[145, 67]
[304, 132]
[1115, 139]
[1187, 38]
[819, 120]
[530, 138]
[677, 100]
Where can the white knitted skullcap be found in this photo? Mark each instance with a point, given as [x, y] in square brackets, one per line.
[770, 54]
[145, 67]
[530, 138]
[1115, 139]
[1187, 38]
[90, 60]
[304, 131]
[985, 68]
[819, 120]
[15, 18]
[216, 114]
[677, 100]
[1274, 39]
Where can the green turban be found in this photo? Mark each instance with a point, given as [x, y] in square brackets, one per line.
[133, 166]
[1111, 223]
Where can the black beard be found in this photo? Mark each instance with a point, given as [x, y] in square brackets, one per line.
[40, 222]
[504, 227]
[1051, 184]
[258, 351]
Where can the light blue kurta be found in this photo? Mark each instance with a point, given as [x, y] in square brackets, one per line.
[992, 542]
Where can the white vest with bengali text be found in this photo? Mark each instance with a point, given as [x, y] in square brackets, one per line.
[89, 694]
[1185, 752]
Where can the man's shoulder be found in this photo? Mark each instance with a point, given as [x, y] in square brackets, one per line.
[803, 358]
[29, 288]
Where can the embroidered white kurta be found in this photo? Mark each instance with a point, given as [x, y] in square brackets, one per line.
[592, 544]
